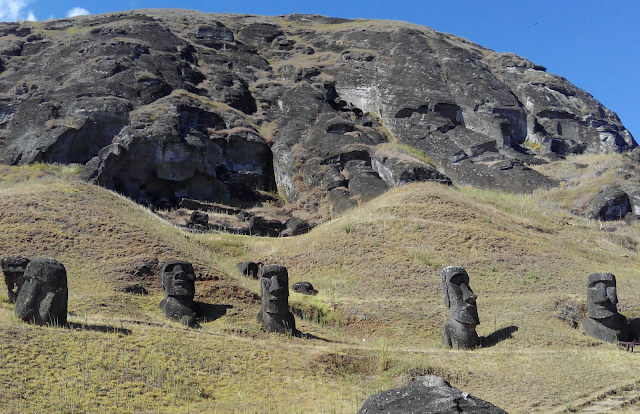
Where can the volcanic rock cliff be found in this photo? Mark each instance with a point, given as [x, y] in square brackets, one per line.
[166, 104]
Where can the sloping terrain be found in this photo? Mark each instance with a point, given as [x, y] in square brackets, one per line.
[374, 325]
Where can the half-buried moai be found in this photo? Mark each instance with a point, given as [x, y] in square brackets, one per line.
[178, 282]
[460, 330]
[603, 321]
[43, 297]
[274, 289]
[13, 268]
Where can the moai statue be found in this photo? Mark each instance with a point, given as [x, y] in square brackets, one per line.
[604, 322]
[13, 268]
[460, 330]
[178, 282]
[274, 289]
[43, 297]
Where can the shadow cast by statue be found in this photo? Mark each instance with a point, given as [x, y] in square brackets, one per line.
[98, 328]
[498, 336]
[212, 312]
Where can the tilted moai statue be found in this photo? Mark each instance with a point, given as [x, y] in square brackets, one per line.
[603, 321]
[460, 330]
[178, 282]
[13, 268]
[43, 297]
[274, 289]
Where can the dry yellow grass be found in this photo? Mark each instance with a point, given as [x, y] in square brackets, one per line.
[378, 314]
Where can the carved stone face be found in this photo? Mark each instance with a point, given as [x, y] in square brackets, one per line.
[602, 297]
[178, 279]
[274, 289]
[43, 296]
[13, 268]
[458, 296]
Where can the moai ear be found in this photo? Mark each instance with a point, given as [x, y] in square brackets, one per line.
[445, 290]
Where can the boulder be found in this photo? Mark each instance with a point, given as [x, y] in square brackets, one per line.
[609, 204]
[304, 288]
[426, 395]
[248, 269]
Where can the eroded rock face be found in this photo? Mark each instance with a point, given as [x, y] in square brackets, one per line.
[164, 105]
[604, 322]
[426, 395]
[43, 297]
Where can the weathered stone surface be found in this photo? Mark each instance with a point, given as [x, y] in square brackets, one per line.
[274, 290]
[163, 105]
[248, 269]
[604, 322]
[427, 395]
[13, 268]
[43, 297]
[305, 288]
[178, 283]
[198, 221]
[460, 330]
[610, 204]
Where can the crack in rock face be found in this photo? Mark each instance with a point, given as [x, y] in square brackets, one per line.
[162, 106]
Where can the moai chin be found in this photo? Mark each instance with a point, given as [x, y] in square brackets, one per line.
[178, 283]
[274, 290]
[13, 268]
[603, 320]
[44, 295]
[460, 330]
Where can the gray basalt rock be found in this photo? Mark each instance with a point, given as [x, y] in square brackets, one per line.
[604, 322]
[427, 395]
[162, 105]
[274, 290]
[43, 297]
[250, 269]
[460, 330]
[198, 221]
[610, 204]
[178, 283]
[305, 288]
[13, 268]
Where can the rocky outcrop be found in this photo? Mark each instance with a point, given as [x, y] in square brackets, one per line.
[164, 105]
[428, 394]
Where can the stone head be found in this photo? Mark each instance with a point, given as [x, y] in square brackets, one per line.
[14, 265]
[178, 279]
[602, 297]
[274, 288]
[44, 295]
[458, 296]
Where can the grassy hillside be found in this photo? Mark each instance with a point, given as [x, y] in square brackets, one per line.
[374, 325]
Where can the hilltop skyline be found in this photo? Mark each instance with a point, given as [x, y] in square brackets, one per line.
[592, 44]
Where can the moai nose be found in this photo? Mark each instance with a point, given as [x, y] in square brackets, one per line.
[601, 293]
[467, 294]
[275, 285]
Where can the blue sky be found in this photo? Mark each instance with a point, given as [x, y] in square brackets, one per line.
[595, 44]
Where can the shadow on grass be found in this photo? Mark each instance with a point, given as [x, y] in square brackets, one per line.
[98, 328]
[212, 312]
[498, 336]
[310, 336]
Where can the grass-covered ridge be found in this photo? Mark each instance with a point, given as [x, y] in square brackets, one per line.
[378, 314]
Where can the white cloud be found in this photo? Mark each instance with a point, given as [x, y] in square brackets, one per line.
[31, 17]
[76, 11]
[10, 9]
